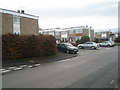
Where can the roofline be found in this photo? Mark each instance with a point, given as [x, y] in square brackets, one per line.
[21, 14]
[102, 31]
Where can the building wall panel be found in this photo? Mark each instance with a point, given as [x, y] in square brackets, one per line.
[0, 23]
[7, 23]
[85, 32]
[29, 26]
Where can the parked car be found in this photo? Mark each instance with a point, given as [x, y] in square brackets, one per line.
[67, 48]
[74, 44]
[91, 45]
[107, 44]
[113, 43]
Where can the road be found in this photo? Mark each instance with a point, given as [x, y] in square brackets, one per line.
[91, 69]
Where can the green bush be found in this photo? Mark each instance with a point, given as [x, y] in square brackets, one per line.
[117, 39]
[117, 44]
[97, 40]
[26, 46]
[84, 39]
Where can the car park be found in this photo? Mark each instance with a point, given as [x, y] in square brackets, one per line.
[67, 48]
[91, 45]
[107, 43]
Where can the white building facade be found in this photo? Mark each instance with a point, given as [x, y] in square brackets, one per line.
[70, 34]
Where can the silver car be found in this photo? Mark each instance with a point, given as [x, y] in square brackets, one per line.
[112, 42]
[91, 45]
[107, 43]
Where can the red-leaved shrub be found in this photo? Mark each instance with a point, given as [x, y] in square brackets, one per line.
[26, 46]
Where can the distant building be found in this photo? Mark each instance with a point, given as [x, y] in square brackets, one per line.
[105, 35]
[70, 34]
[18, 22]
[98, 35]
[89, 32]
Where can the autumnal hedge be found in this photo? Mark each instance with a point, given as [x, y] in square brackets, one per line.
[26, 46]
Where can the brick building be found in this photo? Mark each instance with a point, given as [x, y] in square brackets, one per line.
[105, 35]
[70, 34]
[18, 22]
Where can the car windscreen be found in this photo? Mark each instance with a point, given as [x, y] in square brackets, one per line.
[104, 42]
[88, 43]
[69, 45]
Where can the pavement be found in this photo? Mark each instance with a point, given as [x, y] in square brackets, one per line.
[38, 60]
[90, 69]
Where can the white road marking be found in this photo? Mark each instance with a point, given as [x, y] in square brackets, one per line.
[116, 86]
[37, 65]
[12, 67]
[23, 66]
[30, 66]
[17, 69]
[64, 60]
[112, 82]
[5, 71]
[2, 69]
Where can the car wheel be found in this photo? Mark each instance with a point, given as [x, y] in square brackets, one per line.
[93, 47]
[108, 45]
[80, 47]
[75, 52]
[58, 50]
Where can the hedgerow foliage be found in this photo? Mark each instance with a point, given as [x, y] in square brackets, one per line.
[26, 46]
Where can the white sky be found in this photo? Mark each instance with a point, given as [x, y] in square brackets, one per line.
[100, 14]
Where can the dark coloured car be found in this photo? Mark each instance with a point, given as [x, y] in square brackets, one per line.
[67, 48]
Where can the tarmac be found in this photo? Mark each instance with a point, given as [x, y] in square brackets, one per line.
[7, 63]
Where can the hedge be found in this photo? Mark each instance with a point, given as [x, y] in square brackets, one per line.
[26, 46]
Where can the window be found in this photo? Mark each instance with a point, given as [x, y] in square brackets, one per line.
[104, 36]
[78, 38]
[89, 43]
[45, 33]
[63, 46]
[51, 33]
[71, 32]
[16, 24]
[57, 33]
[64, 34]
[41, 32]
[78, 31]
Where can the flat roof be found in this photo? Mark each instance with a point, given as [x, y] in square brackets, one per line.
[18, 13]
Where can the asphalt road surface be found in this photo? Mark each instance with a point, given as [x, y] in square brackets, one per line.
[91, 69]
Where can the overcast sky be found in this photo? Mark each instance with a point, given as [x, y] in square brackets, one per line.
[100, 14]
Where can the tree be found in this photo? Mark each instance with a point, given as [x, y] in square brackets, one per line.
[78, 41]
[84, 39]
[117, 39]
[97, 40]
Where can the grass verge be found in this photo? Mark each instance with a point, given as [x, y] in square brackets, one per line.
[117, 44]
